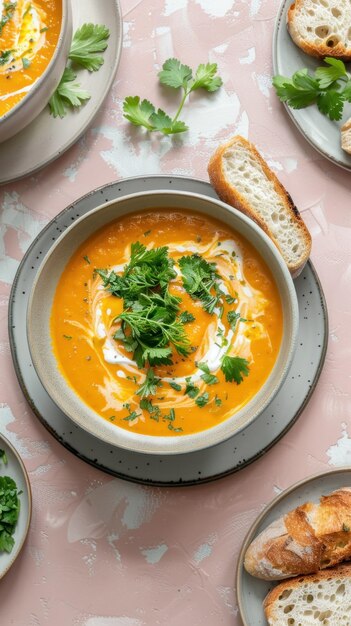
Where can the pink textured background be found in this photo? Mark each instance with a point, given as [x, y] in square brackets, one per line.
[102, 552]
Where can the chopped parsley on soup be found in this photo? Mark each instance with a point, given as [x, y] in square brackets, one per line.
[166, 322]
[29, 32]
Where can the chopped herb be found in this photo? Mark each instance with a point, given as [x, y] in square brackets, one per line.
[153, 410]
[132, 415]
[68, 337]
[176, 386]
[26, 63]
[218, 401]
[9, 512]
[170, 416]
[233, 317]
[200, 280]
[230, 299]
[235, 368]
[86, 258]
[112, 418]
[5, 56]
[3, 457]
[191, 390]
[9, 8]
[147, 233]
[207, 377]
[44, 29]
[202, 400]
[150, 384]
[175, 430]
[186, 317]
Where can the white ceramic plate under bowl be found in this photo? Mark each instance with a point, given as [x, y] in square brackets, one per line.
[252, 591]
[16, 470]
[322, 133]
[46, 138]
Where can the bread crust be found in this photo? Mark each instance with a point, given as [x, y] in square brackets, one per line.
[321, 50]
[310, 538]
[232, 196]
[340, 571]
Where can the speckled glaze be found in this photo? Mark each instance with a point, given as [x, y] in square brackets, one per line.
[102, 551]
[39, 95]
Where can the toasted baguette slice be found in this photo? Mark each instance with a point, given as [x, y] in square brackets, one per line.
[346, 136]
[305, 540]
[323, 598]
[243, 179]
[322, 28]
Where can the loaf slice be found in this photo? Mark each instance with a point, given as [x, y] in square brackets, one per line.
[243, 179]
[305, 540]
[314, 600]
[321, 27]
[346, 136]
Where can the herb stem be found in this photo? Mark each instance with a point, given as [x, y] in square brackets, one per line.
[186, 93]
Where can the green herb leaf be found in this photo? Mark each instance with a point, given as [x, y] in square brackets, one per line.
[331, 103]
[26, 63]
[206, 78]
[87, 42]
[200, 280]
[175, 386]
[218, 401]
[68, 94]
[150, 384]
[202, 400]
[186, 317]
[207, 377]
[233, 317]
[139, 112]
[191, 390]
[175, 74]
[9, 512]
[3, 457]
[299, 91]
[5, 56]
[235, 368]
[326, 76]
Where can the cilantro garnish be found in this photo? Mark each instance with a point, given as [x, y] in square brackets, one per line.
[200, 280]
[150, 384]
[233, 317]
[328, 87]
[175, 386]
[186, 317]
[202, 400]
[207, 377]
[9, 8]
[152, 409]
[9, 512]
[177, 76]
[88, 41]
[5, 56]
[235, 368]
[218, 401]
[132, 415]
[191, 390]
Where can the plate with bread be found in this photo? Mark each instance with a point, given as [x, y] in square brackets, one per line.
[294, 566]
[307, 32]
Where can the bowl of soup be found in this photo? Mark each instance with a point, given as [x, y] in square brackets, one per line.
[35, 38]
[162, 322]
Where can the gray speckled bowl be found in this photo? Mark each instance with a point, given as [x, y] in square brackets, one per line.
[43, 291]
[39, 95]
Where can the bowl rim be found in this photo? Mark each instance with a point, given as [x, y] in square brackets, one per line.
[195, 441]
[65, 24]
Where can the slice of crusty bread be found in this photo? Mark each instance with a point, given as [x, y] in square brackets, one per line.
[346, 136]
[314, 600]
[243, 179]
[321, 27]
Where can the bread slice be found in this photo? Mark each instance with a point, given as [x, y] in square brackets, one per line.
[243, 179]
[321, 27]
[305, 540]
[314, 600]
[346, 136]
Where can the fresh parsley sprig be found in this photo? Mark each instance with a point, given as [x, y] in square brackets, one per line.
[87, 44]
[177, 76]
[235, 368]
[329, 87]
[200, 280]
[9, 512]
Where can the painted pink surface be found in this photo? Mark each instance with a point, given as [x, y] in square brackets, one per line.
[102, 552]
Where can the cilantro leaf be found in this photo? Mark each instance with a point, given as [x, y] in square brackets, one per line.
[89, 40]
[207, 377]
[67, 94]
[202, 400]
[233, 317]
[331, 103]
[139, 112]
[150, 384]
[347, 91]
[166, 125]
[9, 512]
[206, 78]
[175, 386]
[200, 280]
[186, 317]
[5, 56]
[235, 368]
[175, 74]
[299, 91]
[191, 390]
[326, 76]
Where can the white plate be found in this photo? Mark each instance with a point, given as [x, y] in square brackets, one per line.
[178, 469]
[320, 131]
[16, 470]
[46, 138]
[252, 591]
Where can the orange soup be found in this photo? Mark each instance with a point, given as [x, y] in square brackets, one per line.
[29, 31]
[166, 322]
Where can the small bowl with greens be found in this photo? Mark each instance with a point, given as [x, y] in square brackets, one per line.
[15, 505]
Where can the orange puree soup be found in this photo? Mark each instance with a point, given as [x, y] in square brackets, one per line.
[218, 305]
[29, 31]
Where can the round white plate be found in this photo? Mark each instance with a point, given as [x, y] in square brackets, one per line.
[177, 469]
[252, 591]
[320, 131]
[46, 138]
[16, 470]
